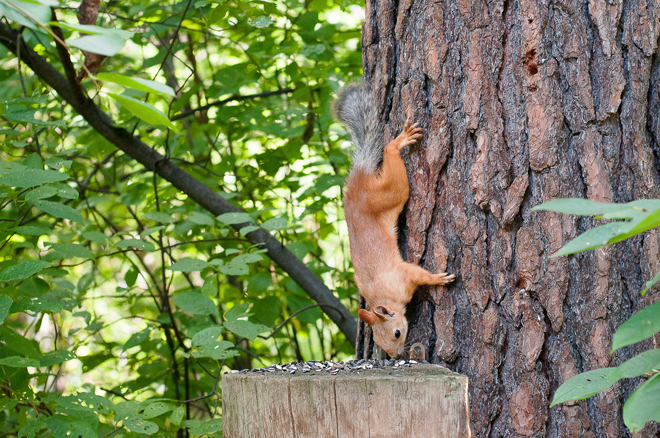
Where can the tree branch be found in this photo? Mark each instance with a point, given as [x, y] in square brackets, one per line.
[197, 191]
[232, 98]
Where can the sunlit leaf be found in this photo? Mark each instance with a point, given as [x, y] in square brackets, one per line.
[19, 362]
[234, 218]
[137, 423]
[584, 385]
[188, 265]
[136, 339]
[26, 13]
[137, 83]
[144, 111]
[157, 408]
[643, 405]
[58, 210]
[103, 41]
[135, 243]
[158, 216]
[31, 177]
[195, 303]
[56, 357]
[5, 304]
[22, 270]
[638, 327]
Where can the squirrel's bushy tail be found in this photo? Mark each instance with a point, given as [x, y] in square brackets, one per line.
[356, 109]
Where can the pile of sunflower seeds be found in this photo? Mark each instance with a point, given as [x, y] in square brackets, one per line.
[312, 366]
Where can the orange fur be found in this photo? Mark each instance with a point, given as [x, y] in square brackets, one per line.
[372, 204]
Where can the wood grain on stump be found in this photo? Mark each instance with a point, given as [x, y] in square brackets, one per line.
[422, 401]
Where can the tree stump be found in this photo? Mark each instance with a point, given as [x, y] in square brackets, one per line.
[420, 401]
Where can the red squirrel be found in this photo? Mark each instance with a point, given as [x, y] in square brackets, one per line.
[376, 191]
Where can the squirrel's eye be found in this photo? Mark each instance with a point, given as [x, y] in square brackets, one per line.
[397, 334]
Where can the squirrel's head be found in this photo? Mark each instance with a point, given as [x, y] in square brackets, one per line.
[390, 328]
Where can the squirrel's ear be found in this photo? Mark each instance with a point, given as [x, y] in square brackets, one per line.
[383, 312]
[367, 316]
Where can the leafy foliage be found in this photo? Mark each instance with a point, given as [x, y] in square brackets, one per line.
[121, 300]
[644, 403]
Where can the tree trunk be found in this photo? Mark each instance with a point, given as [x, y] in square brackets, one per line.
[522, 102]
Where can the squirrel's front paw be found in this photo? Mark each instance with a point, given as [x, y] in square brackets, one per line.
[409, 135]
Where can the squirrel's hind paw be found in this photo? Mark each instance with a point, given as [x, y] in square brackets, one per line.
[443, 278]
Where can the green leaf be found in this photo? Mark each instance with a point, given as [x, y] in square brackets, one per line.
[65, 190]
[247, 230]
[188, 264]
[157, 408]
[5, 304]
[177, 415]
[73, 250]
[22, 270]
[595, 238]
[246, 328]
[19, 362]
[579, 206]
[56, 357]
[137, 423]
[234, 218]
[149, 231]
[42, 192]
[207, 336]
[85, 401]
[638, 327]
[136, 339]
[325, 182]
[216, 350]
[37, 304]
[235, 267]
[195, 303]
[238, 312]
[135, 243]
[158, 216]
[31, 177]
[649, 284]
[641, 364]
[96, 236]
[262, 22]
[144, 111]
[26, 13]
[85, 281]
[127, 409]
[58, 210]
[66, 426]
[29, 230]
[137, 83]
[17, 342]
[643, 405]
[214, 425]
[97, 324]
[201, 219]
[651, 220]
[32, 427]
[106, 42]
[275, 224]
[131, 276]
[91, 29]
[584, 385]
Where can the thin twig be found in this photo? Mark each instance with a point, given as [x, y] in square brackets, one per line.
[232, 98]
[294, 314]
[18, 57]
[210, 394]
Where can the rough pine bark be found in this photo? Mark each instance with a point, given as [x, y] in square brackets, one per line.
[522, 101]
